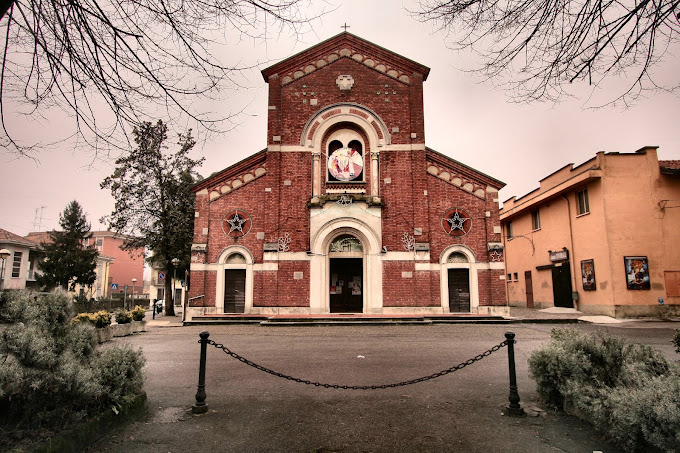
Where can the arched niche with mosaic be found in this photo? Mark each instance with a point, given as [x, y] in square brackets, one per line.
[346, 243]
[456, 222]
[345, 151]
[236, 223]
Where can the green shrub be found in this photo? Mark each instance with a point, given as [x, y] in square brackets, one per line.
[101, 319]
[122, 316]
[138, 313]
[51, 373]
[676, 340]
[628, 391]
[120, 372]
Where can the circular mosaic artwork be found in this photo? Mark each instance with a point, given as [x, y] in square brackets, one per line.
[345, 164]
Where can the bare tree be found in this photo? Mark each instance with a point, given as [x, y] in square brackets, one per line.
[138, 58]
[540, 46]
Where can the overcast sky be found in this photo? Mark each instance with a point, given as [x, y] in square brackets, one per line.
[469, 120]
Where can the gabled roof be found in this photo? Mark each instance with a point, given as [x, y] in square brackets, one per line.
[39, 237]
[7, 237]
[346, 45]
[231, 171]
[463, 169]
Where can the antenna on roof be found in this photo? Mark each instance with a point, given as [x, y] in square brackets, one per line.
[37, 219]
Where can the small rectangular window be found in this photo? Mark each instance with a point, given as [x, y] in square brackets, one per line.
[582, 202]
[535, 220]
[509, 277]
[16, 265]
[508, 228]
[515, 276]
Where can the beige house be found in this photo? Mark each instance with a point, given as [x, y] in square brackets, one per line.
[17, 261]
[602, 237]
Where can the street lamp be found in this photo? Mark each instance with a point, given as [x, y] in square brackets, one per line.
[175, 262]
[4, 254]
[134, 280]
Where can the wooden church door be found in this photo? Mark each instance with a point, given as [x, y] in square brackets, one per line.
[234, 290]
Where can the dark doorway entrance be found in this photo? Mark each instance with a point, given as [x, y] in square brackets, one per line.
[561, 278]
[346, 285]
[529, 289]
[459, 290]
[234, 290]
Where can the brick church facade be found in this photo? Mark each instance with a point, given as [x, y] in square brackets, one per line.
[347, 210]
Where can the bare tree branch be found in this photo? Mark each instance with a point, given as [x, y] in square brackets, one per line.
[537, 48]
[135, 57]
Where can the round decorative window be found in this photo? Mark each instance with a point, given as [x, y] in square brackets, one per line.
[236, 223]
[345, 164]
[456, 222]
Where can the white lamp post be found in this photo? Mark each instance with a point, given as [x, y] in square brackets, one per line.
[134, 280]
[175, 262]
[4, 254]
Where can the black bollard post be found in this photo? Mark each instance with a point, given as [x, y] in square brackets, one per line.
[201, 407]
[514, 409]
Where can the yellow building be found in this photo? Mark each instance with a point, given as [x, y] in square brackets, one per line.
[602, 237]
[100, 289]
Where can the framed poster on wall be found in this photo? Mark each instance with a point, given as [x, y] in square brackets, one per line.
[588, 275]
[637, 272]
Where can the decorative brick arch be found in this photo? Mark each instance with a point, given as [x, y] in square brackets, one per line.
[373, 126]
[227, 252]
[457, 248]
[369, 239]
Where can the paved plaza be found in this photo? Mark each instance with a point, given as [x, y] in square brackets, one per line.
[250, 410]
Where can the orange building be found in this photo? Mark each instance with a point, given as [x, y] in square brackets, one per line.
[115, 266]
[125, 266]
[602, 237]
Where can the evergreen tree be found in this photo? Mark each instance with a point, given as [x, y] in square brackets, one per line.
[154, 204]
[67, 261]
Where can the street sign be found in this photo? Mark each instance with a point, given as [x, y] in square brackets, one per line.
[161, 276]
[114, 285]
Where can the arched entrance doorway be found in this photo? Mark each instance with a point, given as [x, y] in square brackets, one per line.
[459, 284]
[346, 272]
[459, 280]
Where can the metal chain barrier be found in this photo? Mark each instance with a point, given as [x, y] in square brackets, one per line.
[460, 366]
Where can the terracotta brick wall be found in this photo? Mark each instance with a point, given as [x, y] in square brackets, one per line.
[393, 107]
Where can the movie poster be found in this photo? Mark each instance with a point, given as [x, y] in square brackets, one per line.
[588, 275]
[637, 272]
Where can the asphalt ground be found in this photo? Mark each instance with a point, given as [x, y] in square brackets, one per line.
[251, 411]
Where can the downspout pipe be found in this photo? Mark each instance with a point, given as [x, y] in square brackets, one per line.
[572, 263]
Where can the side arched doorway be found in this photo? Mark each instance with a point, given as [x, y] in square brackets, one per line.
[234, 281]
[459, 282]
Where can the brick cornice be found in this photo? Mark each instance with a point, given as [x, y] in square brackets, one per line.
[346, 45]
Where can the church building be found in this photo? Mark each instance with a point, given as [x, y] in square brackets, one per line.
[347, 210]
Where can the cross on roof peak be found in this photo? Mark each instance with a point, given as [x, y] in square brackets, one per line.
[345, 26]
